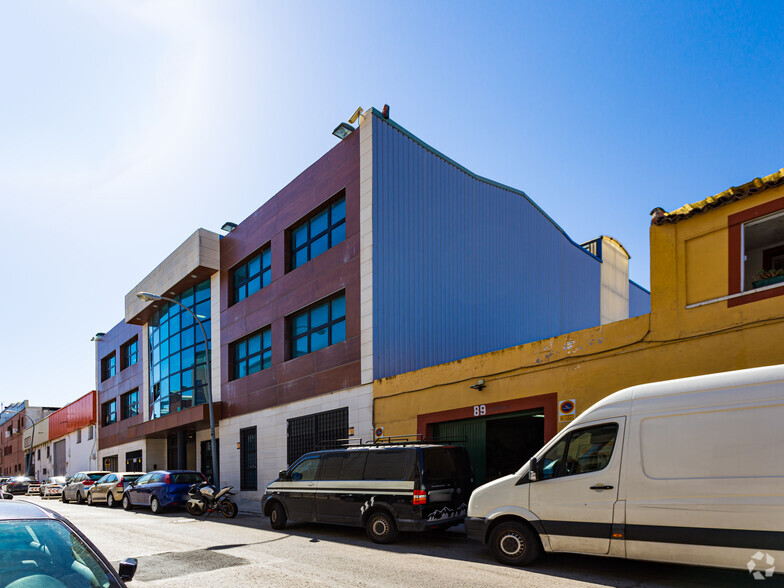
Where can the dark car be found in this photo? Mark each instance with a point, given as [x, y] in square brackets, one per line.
[384, 488]
[161, 489]
[20, 484]
[77, 486]
[38, 547]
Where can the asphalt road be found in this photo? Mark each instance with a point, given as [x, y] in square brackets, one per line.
[174, 549]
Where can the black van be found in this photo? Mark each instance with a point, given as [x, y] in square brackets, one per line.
[385, 488]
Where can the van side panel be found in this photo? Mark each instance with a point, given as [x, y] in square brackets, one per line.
[704, 478]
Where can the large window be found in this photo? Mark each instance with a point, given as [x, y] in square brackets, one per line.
[315, 431]
[321, 325]
[108, 366]
[252, 354]
[178, 357]
[582, 451]
[129, 353]
[129, 404]
[109, 412]
[763, 252]
[322, 230]
[251, 276]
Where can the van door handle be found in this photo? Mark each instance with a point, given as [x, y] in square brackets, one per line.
[601, 487]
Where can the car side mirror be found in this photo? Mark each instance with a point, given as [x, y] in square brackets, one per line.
[283, 474]
[7, 496]
[533, 470]
[128, 569]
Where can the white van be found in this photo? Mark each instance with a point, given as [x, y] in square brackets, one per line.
[685, 471]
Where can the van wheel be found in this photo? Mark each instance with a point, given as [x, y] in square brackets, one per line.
[278, 517]
[381, 528]
[514, 544]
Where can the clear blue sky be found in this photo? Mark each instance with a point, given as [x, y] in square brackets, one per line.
[124, 126]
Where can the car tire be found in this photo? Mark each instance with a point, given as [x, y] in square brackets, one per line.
[126, 502]
[79, 499]
[63, 498]
[380, 527]
[514, 544]
[90, 500]
[278, 517]
[110, 500]
[155, 505]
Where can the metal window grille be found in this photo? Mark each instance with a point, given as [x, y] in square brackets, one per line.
[248, 471]
[316, 431]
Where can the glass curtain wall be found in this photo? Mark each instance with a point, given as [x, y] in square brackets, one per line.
[178, 359]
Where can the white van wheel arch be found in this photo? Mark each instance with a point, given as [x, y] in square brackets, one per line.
[514, 542]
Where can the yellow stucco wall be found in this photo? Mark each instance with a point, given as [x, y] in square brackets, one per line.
[689, 264]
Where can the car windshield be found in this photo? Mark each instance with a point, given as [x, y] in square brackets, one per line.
[48, 553]
[187, 478]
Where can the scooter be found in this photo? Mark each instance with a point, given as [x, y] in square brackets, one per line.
[204, 499]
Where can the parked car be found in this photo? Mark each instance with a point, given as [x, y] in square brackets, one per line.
[77, 486]
[38, 547]
[384, 488]
[109, 489]
[53, 487]
[3, 481]
[20, 484]
[685, 471]
[161, 489]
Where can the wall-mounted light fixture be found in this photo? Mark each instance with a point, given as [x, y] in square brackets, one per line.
[228, 226]
[480, 384]
[343, 130]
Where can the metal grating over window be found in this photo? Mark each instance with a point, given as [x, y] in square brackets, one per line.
[316, 431]
[248, 471]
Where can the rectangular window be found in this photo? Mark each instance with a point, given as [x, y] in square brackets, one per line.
[248, 471]
[252, 275]
[252, 354]
[109, 412]
[319, 326]
[129, 403]
[322, 230]
[78, 435]
[110, 463]
[108, 366]
[133, 461]
[315, 431]
[129, 353]
[90, 432]
[763, 252]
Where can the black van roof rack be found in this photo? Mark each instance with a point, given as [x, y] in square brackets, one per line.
[413, 439]
[338, 443]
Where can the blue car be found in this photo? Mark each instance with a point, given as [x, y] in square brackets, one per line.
[161, 489]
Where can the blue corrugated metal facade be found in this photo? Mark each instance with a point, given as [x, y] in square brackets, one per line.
[639, 300]
[463, 266]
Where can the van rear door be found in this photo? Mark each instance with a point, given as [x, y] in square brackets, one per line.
[578, 487]
[448, 480]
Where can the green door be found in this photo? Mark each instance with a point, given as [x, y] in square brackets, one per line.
[471, 434]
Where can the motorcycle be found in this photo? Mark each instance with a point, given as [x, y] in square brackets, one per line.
[204, 499]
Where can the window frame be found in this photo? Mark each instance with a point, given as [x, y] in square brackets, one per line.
[331, 322]
[559, 470]
[109, 364]
[332, 226]
[736, 252]
[125, 407]
[125, 356]
[264, 270]
[108, 409]
[239, 343]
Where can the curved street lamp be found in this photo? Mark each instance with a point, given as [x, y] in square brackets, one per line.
[148, 297]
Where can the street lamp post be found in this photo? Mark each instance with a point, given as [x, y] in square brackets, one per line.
[148, 297]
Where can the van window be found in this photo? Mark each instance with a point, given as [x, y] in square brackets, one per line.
[582, 451]
[305, 470]
[347, 465]
[442, 465]
[390, 465]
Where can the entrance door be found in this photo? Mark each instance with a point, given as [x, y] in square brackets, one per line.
[578, 488]
[59, 458]
[206, 458]
[497, 445]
